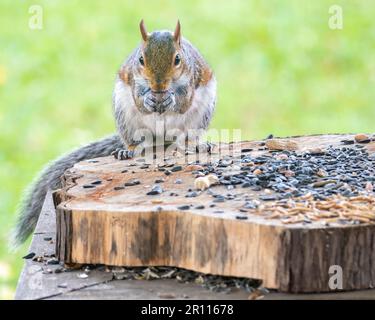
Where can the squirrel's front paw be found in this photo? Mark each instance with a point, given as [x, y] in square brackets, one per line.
[168, 102]
[150, 102]
[123, 154]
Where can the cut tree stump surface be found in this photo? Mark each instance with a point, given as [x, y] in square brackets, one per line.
[103, 217]
[100, 223]
[34, 283]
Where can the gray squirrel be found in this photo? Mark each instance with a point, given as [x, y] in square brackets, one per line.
[165, 80]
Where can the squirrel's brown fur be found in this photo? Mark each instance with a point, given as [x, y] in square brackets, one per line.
[153, 89]
[167, 81]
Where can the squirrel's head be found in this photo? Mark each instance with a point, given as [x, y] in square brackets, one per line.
[160, 58]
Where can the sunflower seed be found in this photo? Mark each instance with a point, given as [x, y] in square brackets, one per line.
[156, 189]
[29, 256]
[183, 207]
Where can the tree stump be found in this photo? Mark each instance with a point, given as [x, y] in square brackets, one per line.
[104, 216]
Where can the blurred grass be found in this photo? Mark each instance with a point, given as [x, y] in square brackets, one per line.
[280, 70]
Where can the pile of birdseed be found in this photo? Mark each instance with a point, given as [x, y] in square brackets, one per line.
[334, 171]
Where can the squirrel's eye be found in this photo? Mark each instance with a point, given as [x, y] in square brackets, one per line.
[141, 61]
[177, 60]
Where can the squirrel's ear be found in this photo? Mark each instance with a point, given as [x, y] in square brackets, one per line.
[177, 32]
[143, 31]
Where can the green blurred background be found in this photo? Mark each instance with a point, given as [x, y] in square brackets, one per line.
[280, 70]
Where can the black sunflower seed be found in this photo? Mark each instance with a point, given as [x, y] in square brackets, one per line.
[156, 189]
[241, 217]
[176, 168]
[88, 186]
[192, 194]
[183, 207]
[132, 183]
[29, 255]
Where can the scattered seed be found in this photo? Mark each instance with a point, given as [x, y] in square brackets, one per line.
[176, 168]
[157, 201]
[192, 194]
[315, 151]
[362, 138]
[256, 295]
[156, 189]
[242, 217]
[246, 150]
[88, 186]
[323, 183]
[365, 141]
[132, 183]
[58, 270]
[193, 167]
[268, 197]
[184, 207]
[281, 156]
[321, 173]
[29, 256]
[52, 261]
[203, 183]
[281, 144]
[347, 142]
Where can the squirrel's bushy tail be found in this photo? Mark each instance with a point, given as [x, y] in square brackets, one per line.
[49, 178]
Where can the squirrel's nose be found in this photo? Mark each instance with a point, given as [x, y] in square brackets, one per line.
[159, 85]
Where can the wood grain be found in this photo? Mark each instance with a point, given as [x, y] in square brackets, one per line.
[126, 227]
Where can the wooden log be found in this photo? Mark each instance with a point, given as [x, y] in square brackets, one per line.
[108, 225]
